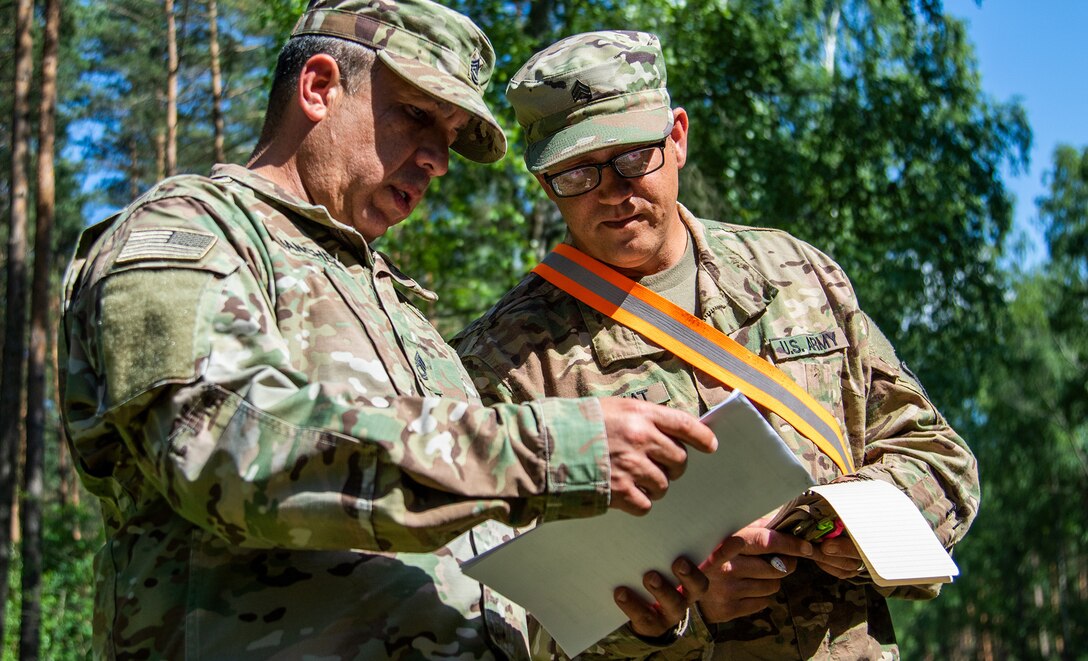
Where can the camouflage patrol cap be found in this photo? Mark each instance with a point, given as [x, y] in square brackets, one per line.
[432, 47]
[588, 91]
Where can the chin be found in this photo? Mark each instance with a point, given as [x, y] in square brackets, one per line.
[373, 228]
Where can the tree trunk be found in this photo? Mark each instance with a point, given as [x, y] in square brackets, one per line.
[11, 379]
[831, 38]
[160, 155]
[134, 168]
[171, 91]
[68, 489]
[217, 80]
[539, 22]
[31, 511]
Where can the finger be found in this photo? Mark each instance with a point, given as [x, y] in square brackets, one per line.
[645, 619]
[685, 428]
[667, 454]
[726, 551]
[671, 604]
[839, 557]
[841, 563]
[652, 480]
[763, 541]
[757, 566]
[839, 571]
[753, 587]
[732, 608]
[840, 547]
[693, 582]
[627, 497]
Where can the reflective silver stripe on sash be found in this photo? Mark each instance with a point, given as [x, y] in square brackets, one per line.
[695, 342]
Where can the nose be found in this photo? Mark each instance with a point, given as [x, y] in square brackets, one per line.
[433, 154]
[613, 188]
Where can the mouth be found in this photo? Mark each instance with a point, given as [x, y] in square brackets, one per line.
[405, 198]
[620, 223]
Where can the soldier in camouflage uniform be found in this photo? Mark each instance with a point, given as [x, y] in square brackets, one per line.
[606, 146]
[278, 439]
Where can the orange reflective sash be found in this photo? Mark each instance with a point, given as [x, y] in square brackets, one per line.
[699, 344]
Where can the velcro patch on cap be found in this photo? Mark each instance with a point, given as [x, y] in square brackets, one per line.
[796, 346]
[165, 243]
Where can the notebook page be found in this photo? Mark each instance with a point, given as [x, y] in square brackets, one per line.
[897, 544]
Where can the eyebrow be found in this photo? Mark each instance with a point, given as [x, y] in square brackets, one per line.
[445, 108]
[586, 161]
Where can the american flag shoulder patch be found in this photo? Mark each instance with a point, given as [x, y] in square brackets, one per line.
[166, 243]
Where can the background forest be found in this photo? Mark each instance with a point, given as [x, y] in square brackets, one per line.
[857, 125]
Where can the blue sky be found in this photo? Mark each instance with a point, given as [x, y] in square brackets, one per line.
[1035, 50]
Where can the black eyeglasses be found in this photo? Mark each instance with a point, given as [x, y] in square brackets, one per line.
[630, 165]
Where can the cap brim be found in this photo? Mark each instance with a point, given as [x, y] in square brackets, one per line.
[482, 140]
[599, 132]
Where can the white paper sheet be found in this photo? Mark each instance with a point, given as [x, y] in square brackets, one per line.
[564, 572]
[897, 544]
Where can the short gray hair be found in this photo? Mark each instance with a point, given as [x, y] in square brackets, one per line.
[355, 60]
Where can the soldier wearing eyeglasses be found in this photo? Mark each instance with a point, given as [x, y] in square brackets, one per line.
[289, 459]
[607, 146]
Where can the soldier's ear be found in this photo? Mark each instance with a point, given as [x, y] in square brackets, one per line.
[679, 135]
[318, 86]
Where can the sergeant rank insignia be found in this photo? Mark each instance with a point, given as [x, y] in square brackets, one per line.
[421, 367]
[474, 67]
[581, 91]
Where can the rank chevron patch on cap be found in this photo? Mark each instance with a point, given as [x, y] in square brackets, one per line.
[580, 91]
[475, 63]
[166, 243]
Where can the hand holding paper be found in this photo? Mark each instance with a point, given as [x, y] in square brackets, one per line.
[565, 572]
[645, 449]
[745, 584]
[882, 528]
[672, 600]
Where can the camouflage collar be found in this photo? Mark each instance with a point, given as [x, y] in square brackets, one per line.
[280, 197]
[734, 288]
[273, 192]
[730, 294]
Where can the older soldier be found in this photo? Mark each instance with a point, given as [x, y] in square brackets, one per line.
[606, 147]
[277, 437]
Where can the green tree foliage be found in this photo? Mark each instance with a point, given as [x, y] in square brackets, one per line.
[861, 127]
[121, 93]
[857, 125]
[67, 591]
[1024, 589]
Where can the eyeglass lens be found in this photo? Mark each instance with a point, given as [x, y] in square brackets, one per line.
[634, 163]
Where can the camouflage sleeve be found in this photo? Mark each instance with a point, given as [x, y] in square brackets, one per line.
[910, 444]
[183, 363]
[694, 637]
[694, 641]
[493, 388]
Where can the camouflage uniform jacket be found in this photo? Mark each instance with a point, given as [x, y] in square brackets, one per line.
[793, 306]
[278, 440]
